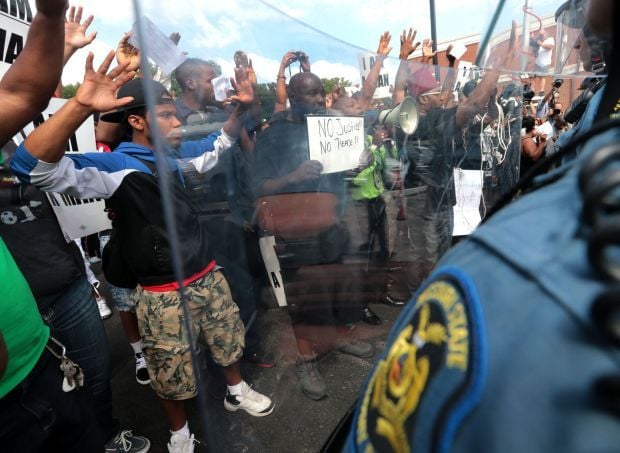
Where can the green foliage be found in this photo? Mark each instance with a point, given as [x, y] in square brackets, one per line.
[68, 91]
[331, 85]
[266, 93]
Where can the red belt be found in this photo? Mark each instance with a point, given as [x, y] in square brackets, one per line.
[174, 286]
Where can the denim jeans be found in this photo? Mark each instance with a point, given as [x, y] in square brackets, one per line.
[73, 318]
[38, 416]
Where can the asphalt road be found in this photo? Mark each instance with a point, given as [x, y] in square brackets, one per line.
[298, 423]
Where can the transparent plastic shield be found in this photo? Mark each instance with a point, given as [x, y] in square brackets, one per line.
[327, 180]
[550, 39]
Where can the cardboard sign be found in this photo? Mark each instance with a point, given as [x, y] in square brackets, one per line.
[336, 141]
[366, 62]
[467, 71]
[468, 187]
[77, 218]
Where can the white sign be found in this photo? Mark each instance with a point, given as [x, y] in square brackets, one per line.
[15, 19]
[77, 218]
[272, 265]
[336, 141]
[160, 48]
[468, 186]
[366, 62]
[467, 71]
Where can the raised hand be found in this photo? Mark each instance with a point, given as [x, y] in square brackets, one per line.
[407, 47]
[252, 74]
[287, 59]
[98, 91]
[427, 50]
[384, 44]
[243, 87]
[75, 29]
[128, 55]
[449, 56]
[304, 62]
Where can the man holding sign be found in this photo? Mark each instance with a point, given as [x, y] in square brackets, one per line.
[283, 165]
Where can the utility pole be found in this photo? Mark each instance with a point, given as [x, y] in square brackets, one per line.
[434, 37]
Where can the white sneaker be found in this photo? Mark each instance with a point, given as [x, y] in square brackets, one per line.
[142, 374]
[180, 443]
[250, 401]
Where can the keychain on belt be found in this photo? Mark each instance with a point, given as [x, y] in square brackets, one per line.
[73, 374]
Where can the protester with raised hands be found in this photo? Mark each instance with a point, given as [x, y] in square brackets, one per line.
[287, 59]
[128, 180]
[28, 371]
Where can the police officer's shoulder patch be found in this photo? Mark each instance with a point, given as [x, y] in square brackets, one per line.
[431, 373]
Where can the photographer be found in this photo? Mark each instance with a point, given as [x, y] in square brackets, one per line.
[289, 58]
[533, 144]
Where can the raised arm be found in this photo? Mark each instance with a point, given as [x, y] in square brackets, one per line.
[27, 87]
[479, 98]
[370, 84]
[407, 47]
[281, 82]
[96, 94]
[450, 80]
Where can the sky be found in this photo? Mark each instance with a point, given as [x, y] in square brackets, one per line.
[331, 32]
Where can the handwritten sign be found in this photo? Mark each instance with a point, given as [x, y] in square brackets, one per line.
[336, 141]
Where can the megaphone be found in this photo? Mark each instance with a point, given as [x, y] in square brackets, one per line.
[404, 116]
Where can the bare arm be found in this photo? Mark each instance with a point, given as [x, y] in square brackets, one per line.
[307, 171]
[531, 149]
[407, 47]
[479, 98]
[448, 85]
[281, 83]
[97, 93]
[370, 84]
[25, 89]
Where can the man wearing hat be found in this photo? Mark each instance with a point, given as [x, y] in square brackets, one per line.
[139, 252]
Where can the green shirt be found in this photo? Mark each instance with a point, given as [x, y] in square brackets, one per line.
[369, 182]
[21, 325]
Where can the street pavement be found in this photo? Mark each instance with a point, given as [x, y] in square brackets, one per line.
[298, 424]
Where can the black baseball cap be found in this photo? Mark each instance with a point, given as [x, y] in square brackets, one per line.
[135, 88]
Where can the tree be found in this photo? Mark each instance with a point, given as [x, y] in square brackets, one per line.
[266, 93]
[68, 91]
[331, 85]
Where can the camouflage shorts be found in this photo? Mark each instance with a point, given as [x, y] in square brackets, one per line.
[165, 344]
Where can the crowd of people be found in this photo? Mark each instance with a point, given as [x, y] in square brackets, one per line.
[194, 181]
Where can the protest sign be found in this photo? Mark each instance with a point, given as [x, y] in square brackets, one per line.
[468, 187]
[77, 218]
[336, 141]
[15, 19]
[366, 62]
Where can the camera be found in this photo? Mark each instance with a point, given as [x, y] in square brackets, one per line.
[557, 83]
[299, 56]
